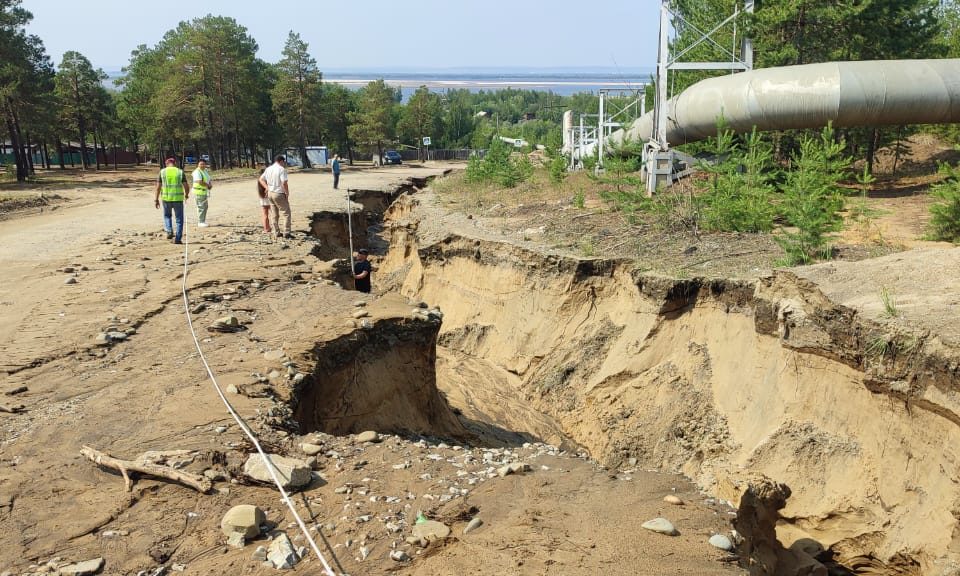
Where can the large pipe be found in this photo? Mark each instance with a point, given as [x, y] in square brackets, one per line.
[872, 93]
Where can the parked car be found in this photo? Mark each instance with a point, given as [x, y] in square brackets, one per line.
[392, 157]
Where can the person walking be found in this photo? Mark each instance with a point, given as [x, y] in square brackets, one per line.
[274, 180]
[172, 190]
[201, 191]
[264, 205]
[336, 170]
[361, 271]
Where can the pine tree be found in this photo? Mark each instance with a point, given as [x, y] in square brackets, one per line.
[297, 94]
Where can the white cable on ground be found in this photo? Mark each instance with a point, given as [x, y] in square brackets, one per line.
[243, 425]
[350, 234]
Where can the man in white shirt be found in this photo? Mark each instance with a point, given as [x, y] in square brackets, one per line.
[274, 179]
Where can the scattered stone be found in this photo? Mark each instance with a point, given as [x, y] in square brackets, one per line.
[67, 269]
[311, 449]
[364, 552]
[360, 303]
[209, 296]
[660, 526]
[513, 468]
[220, 429]
[671, 499]
[273, 355]
[431, 530]
[722, 542]
[360, 314]
[281, 553]
[292, 473]
[473, 525]
[236, 540]
[260, 553]
[368, 436]
[232, 389]
[198, 308]
[102, 339]
[118, 336]
[83, 568]
[70, 280]
[399, 556]
[226, 324]
[244, 519]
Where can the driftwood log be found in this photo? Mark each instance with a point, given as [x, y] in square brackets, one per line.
[198, 483]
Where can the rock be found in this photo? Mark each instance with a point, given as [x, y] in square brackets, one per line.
[660, 526]
[293, 473]
[236, 540]
[83, 568]
[70, 280]
[117, 336]
[720, 541]
[513, 468]
[244, 519]
[102, 339]
[399, 556]
[220, 429]
[473, 525]
[360, 303]
[360, 314]
[431, 530]
[226, 324]
[364, 552]
[273, 355]
[67, 269]
[260, 553]
[311, 449]
[232, 389]
[368, 436]
[281, 553]
[671, 499]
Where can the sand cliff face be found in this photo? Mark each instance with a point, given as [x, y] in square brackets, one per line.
[717, 379]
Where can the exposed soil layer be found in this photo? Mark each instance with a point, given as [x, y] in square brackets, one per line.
[855, 412]
[102, 266]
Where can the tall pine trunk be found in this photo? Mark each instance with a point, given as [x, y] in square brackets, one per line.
[60, 153]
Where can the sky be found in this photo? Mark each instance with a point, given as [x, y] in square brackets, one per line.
[359, 35]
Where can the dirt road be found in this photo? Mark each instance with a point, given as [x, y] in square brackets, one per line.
[148, 391]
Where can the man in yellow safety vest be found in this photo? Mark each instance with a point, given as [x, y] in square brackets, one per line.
[201, 191]
[172, 189]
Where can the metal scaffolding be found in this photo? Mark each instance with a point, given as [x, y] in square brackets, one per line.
[658, 157]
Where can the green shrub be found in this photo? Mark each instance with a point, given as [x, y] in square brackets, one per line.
[558, 169]
[498, 167]
[945, 214]
[812, 198]
[737, 196]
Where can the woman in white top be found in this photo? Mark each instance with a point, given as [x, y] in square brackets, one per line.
[264, 205]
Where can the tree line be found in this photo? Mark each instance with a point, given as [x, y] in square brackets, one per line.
[203, 90]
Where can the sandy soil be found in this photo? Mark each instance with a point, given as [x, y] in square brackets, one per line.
[567, 515]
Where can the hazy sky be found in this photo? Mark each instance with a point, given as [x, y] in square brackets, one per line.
[375, 33]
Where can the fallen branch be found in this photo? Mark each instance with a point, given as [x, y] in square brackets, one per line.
[199, 483]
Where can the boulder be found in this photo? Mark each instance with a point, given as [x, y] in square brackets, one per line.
[292, 473]
[244, 519]
[282, 553]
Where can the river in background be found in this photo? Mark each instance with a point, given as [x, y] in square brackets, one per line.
[559, 83]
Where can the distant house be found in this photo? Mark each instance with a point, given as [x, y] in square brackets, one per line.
[481, 114]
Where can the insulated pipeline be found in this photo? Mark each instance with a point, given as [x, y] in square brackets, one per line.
[868, 93]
